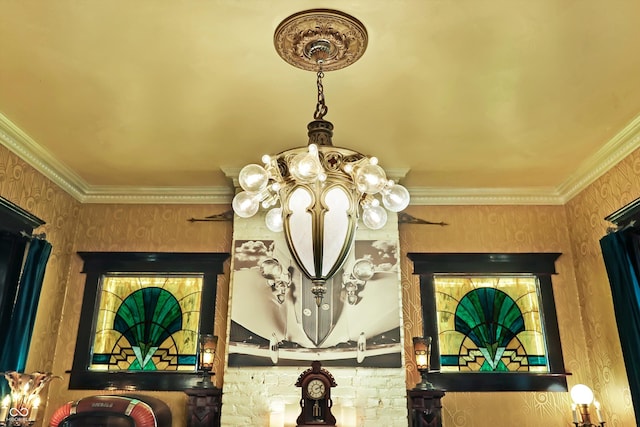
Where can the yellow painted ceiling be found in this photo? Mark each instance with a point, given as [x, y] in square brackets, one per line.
[468, 95]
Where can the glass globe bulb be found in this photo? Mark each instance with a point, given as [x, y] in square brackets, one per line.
[396, 198]
[305, 167]
[271, 269]
[374, 217]
[245, 204]
[253, 178]
[273, 219]
[581, 394]
[363, 269]
[370, 179]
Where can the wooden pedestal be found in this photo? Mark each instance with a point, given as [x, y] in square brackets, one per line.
[425, 408]
[204, 406]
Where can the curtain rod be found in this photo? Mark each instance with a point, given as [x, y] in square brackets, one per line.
[617, 228]
[39, 236]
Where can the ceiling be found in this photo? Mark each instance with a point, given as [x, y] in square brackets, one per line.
[510, 101]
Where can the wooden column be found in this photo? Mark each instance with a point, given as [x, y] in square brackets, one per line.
[425, 408]
[204, 406]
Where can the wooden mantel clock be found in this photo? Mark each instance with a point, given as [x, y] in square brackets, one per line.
[316, 383]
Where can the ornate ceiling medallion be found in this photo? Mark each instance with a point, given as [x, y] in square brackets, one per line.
[334, 37]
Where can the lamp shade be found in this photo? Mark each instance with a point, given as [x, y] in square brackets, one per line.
[422, 351]
[208, 346]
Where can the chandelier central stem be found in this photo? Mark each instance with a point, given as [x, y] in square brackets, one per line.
[321, 107]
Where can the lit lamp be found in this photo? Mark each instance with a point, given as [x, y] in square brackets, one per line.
[316, 194]
[20, 408]
[422, 351]
[582, 397]
[208, 346]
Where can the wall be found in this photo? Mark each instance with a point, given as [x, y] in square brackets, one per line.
[591, 351]
[500, 229]
[25, 187]
[586, 213]
[376, 396]
[138, 228]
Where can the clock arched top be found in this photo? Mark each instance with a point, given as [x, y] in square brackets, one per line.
[316, 368]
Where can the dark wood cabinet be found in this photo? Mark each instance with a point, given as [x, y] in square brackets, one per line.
[204, 406]
[425, 408]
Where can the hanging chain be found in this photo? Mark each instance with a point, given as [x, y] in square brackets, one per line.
[321, 108]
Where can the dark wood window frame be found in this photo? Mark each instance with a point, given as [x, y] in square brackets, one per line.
[97, 264]
[540, 264]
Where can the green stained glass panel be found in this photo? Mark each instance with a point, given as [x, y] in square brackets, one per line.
[147, 323]
[490, 324]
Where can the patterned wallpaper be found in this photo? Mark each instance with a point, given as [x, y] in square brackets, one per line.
[140, 228]
[586, 212]
[499, 229]
[25, 187]
[587, 326]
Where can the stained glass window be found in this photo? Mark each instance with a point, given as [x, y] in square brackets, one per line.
[490, 324]
[147, 323]
[142, 314]
[492, 320]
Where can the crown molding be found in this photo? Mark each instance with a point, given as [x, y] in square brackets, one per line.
[157, 195]
[484, 196]
[23, 146]
[616, 149]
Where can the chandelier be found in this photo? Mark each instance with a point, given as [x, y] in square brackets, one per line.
[318, 193]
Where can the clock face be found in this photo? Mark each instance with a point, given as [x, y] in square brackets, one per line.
[315, 389]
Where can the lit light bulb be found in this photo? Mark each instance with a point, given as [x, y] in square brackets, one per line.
[396, 198]
[305, 167]
[370, 179]
[374, 217]
[273, 219]
[581, 394]
[245, 204]
[253, 178]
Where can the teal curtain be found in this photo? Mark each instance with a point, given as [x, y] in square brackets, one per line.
[23, 316]
[621, 253]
